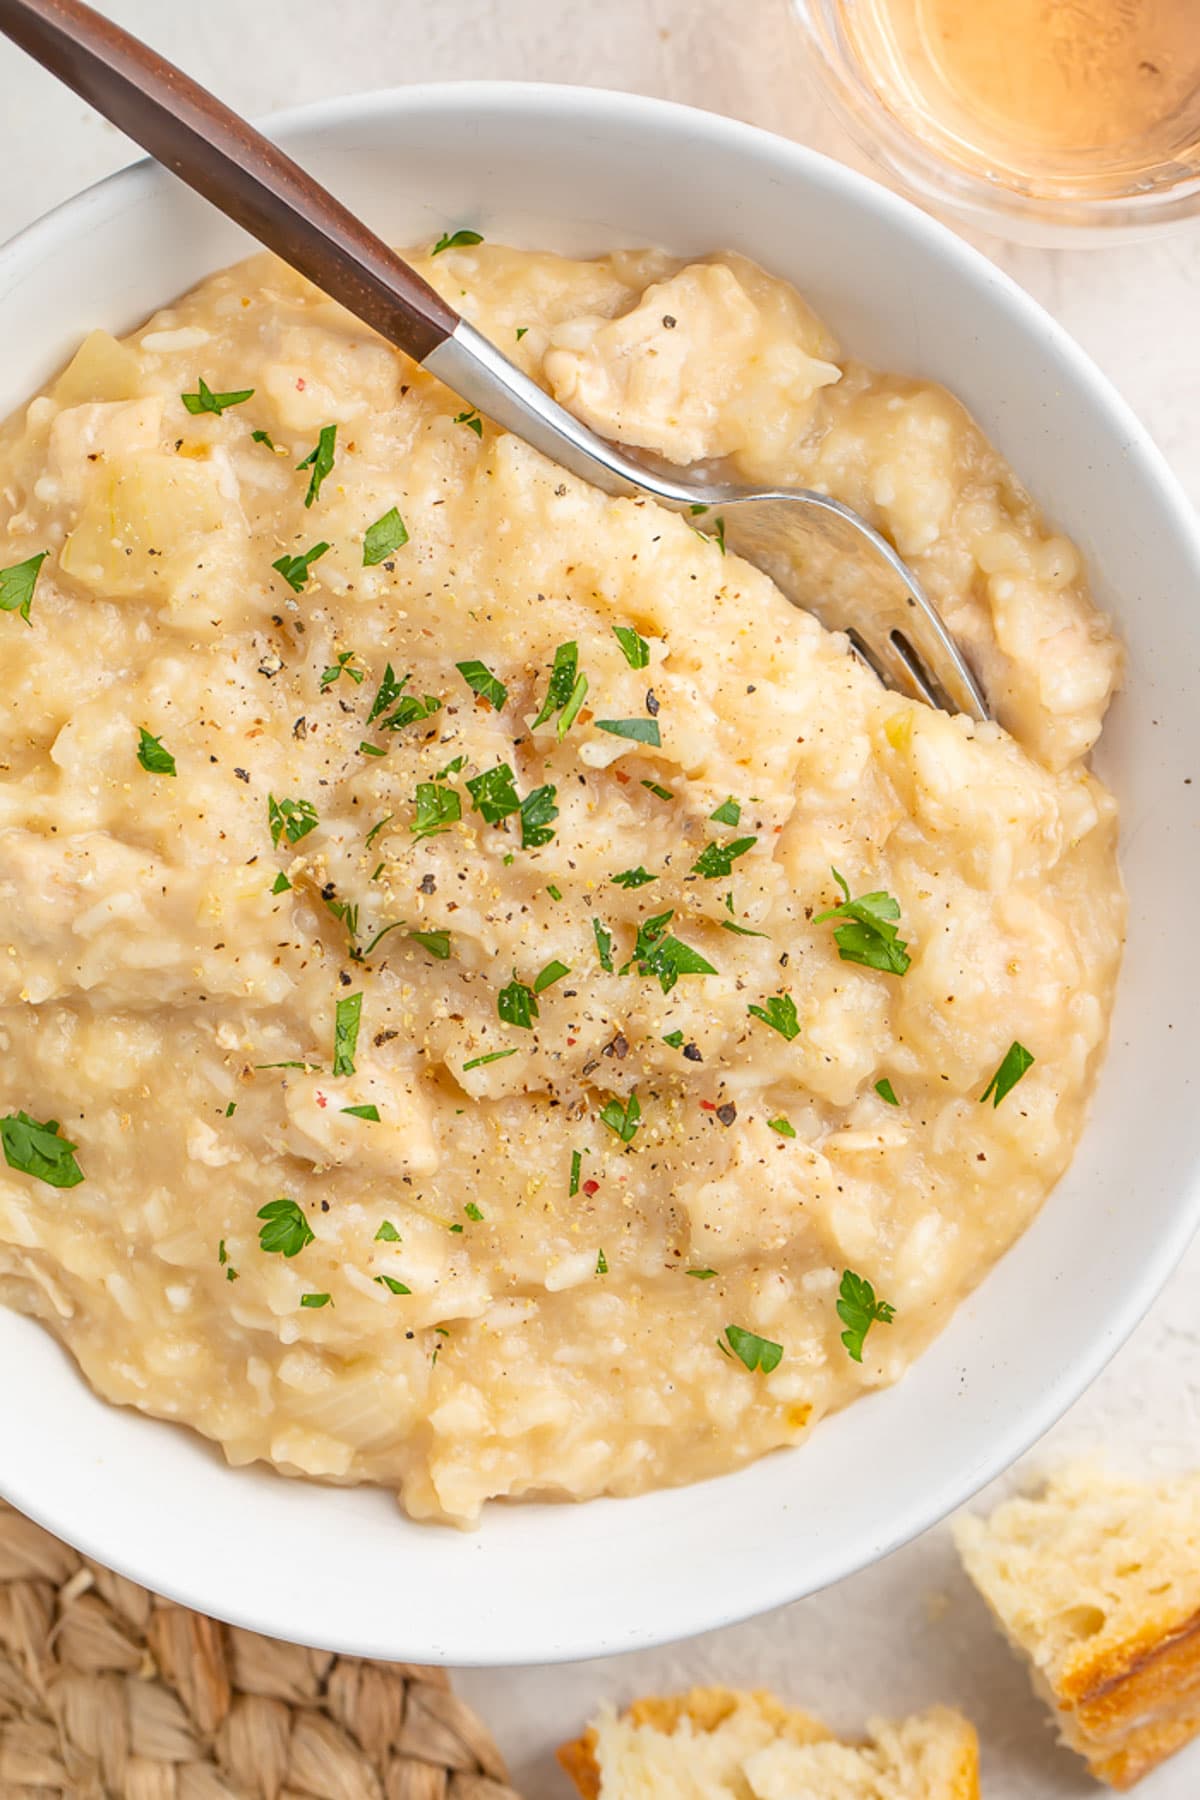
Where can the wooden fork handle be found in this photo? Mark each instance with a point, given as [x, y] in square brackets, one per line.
[209, 147]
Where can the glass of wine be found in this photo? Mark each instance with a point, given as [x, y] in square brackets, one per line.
[1024, 116]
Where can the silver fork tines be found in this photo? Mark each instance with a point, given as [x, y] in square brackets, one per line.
[820, 554]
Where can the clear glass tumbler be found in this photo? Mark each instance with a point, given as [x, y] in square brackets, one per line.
[1040, 119]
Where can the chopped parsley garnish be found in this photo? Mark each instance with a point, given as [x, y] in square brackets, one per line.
[624, 1120]
[34, 1147]
[553, 971]
[719, 534]
[347, 1017]
[1016, 1060]
[779, 1013]
[231, 1273]
[437, 808]
[377, 828]
[295, 569]
[452, 768]
[387, 534]
[231, 1109]
[754, 1351]
[570, 711]
[517, 1005]
[562, 682]
[869, 934]
[315, 1300]
[411, 708]
[601, 1263]
[365, 749]
[262, 437]
[17, 583]
[343, 666]
[471, 420]
[858, 1309]
[346, 913]
[635, 649]
[153, 757]
[632, 878]
[604, 943]
[320, 461]
[728, 813]
[481, 681]
[286, 1231]
[783, 1126]
[205, 401]
[537, 809]
[478, 1062]
[363, 1112]
[659, 792]
[656, 953]
[521, 330]
[293, 819]
[701, 1274]
[387, 1233]
[555, 893]
[718, 859]
[886, 1092]
[389, 690]
[362, 955]
[638, 731]
[436, 942]
[674, 1038]
[392, 1285]
[473, 1212]
[576, 1171]
[493, 793]
[456, 240]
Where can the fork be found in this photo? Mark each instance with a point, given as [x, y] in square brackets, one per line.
[822, 555]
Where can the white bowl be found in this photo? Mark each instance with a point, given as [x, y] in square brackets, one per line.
[582, 170]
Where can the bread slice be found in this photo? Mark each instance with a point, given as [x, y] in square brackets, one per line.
[1096, 1580]
[715, 1744]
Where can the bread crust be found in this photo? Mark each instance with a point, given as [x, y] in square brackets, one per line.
[1153, 1668]
[708, 1707]
[1141, 1752]
[1129, 1706]
[578, 1759]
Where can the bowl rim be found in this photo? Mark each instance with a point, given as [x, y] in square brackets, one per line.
[775, 1586]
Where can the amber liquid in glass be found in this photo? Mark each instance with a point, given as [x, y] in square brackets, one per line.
[1039, 88]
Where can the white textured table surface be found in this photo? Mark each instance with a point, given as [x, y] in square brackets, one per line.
[909, 1631]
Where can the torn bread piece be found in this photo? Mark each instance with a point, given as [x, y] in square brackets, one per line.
[717, 1744]
[1096, 1581]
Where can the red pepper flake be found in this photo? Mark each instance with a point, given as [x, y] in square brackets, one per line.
[591, 1187]
[708, 1106]
[571, 1043]
[300, 384]
[621, 776]
[322, 1100]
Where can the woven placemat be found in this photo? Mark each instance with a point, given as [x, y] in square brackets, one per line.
[109, 1693]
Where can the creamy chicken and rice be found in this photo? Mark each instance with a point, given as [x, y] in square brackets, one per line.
[493, 1000]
